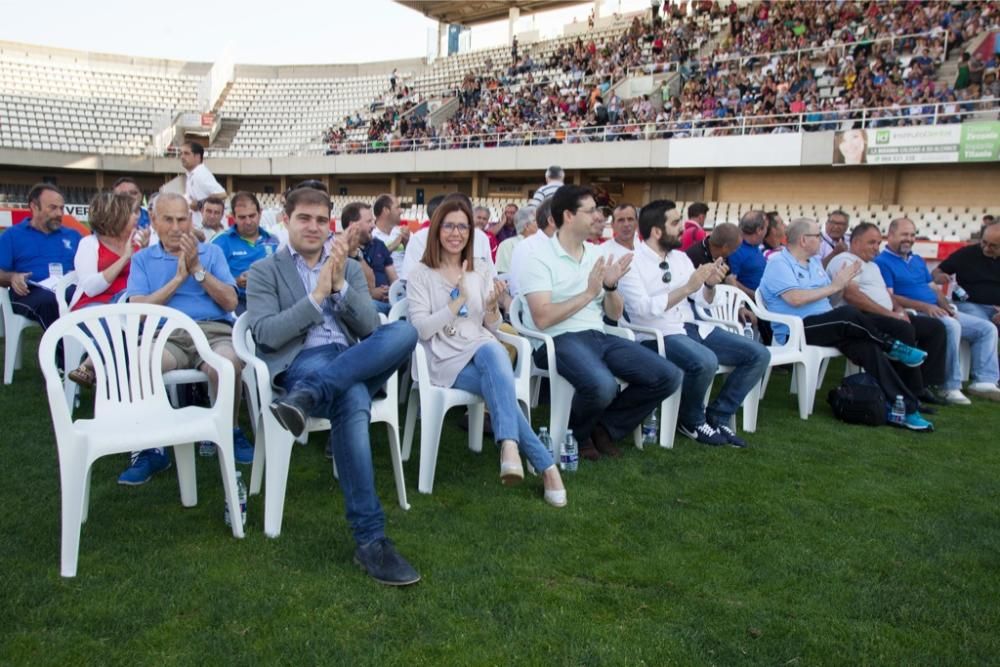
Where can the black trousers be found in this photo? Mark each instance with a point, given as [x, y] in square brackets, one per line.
[926, 333]
[857, 336]
[39, 305]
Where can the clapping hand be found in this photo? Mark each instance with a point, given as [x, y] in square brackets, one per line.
[701, 275]
[614, 270]
[846, 274]
[721, 269]
[189, 250]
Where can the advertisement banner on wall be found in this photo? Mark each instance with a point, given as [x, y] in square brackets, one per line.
[965, 142]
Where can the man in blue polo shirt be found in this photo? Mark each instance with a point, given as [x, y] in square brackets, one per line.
[33, 248]
[245, 242]
[193, 278]
[795, 283]
[910, 283]
[746, 265]
[371, 253]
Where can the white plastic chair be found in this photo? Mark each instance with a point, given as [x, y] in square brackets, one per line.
[131, 408]
[561, 392]
[13, 325]
[433, 402]
[72, 352]
[397, 292]
[810, 361]
[273, 450]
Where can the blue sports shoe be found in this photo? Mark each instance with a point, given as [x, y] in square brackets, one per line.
[915, 422]
[906, 355]
[242, 447]
[144, 465]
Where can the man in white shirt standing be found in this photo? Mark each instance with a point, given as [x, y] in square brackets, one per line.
[387, 228]
[200, 183]
[656, 293]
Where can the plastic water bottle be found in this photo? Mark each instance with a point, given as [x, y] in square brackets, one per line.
[650, 428]
[206, 448]
[241, 492]
[748, 331]
[570, 453]
[959, 294]
[898, 414]
[546, 439]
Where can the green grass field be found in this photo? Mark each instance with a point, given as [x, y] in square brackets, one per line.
[822, 544]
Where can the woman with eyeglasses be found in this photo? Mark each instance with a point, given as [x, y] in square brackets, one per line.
[453, 305]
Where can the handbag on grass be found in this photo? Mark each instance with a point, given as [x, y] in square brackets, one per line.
[859, 400]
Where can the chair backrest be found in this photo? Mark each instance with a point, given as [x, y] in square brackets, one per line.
[397, 291]
[6, 310]
[516, 313]
[418, 363]
[61, 287]
[125, 342]
[726, 306]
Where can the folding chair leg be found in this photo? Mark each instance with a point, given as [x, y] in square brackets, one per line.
[431, 421]
[184, 457]
[412, 407]
[397, 465]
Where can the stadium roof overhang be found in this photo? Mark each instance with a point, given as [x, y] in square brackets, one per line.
[472, 12]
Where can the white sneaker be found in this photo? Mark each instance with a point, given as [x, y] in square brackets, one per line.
[984, 390]
[955, 397]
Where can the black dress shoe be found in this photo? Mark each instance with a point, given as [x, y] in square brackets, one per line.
[930, 398]
[384, 564]
[292, 411]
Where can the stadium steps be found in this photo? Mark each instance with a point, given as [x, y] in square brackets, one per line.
[222, 97]
[228, 127]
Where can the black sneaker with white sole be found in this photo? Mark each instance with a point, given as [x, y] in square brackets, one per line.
[705, 433]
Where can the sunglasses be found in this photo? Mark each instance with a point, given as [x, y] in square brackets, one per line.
[665, 267]
[464, 310]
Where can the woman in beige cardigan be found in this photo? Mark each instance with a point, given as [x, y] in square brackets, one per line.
[454, 309]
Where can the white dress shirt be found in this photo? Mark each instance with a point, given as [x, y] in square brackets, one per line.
[199, 186]
[645, 294]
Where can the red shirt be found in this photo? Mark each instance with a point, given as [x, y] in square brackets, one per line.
[105, 258]
[693, 233]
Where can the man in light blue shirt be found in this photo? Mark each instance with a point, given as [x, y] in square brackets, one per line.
[569, 288]
[795, 283]
[193, 278]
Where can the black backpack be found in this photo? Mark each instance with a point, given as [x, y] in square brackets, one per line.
[859, 400]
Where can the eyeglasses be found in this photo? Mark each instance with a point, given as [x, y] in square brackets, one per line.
[665, 267]
[464, 310]
[451, 227]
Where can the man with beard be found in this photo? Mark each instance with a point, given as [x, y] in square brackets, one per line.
[910, 283]
[31, 250]
[656, 292]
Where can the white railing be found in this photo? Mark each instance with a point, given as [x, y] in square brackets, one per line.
[808, 121]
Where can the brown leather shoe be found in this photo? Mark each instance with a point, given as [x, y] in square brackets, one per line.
[588, 451]
[603, 443]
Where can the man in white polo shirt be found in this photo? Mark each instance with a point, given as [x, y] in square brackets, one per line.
[200, 183]
[569, 286]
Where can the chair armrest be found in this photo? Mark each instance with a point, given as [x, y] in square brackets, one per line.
[621, 332]
[649, 331]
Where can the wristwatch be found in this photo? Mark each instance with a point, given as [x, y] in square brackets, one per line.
[199, 275]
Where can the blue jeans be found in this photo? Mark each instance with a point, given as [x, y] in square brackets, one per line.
[591, 361]
[982, 337]
[489, 374]
[382, 306]
[700, 358]
[341, 381]
[984, 311]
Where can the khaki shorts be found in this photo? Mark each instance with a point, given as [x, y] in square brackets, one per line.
[181, 347]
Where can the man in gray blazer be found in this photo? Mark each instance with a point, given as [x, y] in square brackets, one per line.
[318, 332]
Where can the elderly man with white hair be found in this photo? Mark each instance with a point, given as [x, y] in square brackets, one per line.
[524, 223]
[194, 278]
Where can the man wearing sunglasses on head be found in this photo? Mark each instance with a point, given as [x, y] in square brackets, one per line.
[656, 293]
